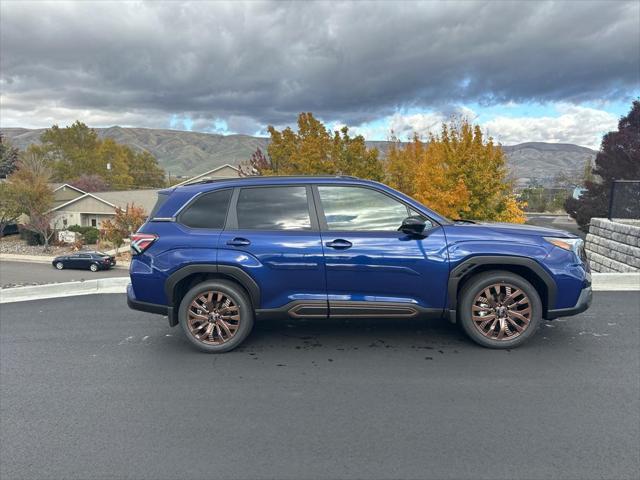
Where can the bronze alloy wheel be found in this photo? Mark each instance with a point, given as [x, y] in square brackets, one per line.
[213, 318]
[501, 312]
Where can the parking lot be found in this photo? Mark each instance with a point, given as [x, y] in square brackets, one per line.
[91, 389]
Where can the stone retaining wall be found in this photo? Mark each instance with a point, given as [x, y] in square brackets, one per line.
[613, 246]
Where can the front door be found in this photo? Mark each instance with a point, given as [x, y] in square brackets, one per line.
[272, 233]
[372, 268]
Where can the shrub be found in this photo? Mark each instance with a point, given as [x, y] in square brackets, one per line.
[91, 235]
[32, 238]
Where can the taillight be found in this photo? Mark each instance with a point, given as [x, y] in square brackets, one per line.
[141, 241]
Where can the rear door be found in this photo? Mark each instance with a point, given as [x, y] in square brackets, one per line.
[372, 268]
[81, 260]
[272, 233]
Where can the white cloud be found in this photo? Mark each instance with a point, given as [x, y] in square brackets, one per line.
[575, 124]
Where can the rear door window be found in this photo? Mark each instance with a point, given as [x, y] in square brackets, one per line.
[207, 211]
[273, 208]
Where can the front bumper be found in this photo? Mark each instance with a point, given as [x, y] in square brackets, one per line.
[584, 302]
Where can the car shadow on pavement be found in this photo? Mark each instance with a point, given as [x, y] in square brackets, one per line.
[354, 334]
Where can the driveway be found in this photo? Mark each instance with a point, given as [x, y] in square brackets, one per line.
[91, 389]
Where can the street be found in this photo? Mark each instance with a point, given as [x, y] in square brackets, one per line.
[91, 389]
[29, 273]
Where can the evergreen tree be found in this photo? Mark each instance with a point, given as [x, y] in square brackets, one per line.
[618, 159]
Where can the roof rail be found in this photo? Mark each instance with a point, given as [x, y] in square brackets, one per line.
[249, 177]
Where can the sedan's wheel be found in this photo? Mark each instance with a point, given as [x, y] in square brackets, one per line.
[93, 267]
[59, 265]
[499, 309]
[216, 316]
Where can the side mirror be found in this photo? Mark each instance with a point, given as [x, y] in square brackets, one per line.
[415, 225]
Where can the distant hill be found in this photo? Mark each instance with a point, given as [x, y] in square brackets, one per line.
[190, 153]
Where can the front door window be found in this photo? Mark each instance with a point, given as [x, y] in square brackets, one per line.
[353, 209]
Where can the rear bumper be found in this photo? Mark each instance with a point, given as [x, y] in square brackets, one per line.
[583, 303]
[135, 304]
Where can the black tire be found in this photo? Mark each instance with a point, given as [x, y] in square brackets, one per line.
[59, 265]
[475, 287]
[93, 267]
[237, 296]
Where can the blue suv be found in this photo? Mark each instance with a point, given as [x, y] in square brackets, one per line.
[215, 255]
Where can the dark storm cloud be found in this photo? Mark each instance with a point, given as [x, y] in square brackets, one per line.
[258, 63]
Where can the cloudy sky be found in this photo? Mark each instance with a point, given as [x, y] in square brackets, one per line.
[526, 71]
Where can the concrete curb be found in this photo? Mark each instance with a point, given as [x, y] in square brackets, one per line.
[611, 282]
[67, 289]
[10, 257]
[602, 282]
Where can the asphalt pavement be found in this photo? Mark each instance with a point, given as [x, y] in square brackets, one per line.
[29, 273]
[90, 389]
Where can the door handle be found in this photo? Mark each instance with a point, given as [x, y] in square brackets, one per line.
[339, 244]
[239, 242]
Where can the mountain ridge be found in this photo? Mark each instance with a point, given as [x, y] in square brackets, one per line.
[182, 152]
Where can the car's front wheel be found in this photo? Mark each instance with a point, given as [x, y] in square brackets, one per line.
[499, 309]
[93, 267]
[216, 316]
[59, 265]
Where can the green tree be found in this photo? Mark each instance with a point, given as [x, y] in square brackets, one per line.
[30, 185]
[352, 157]
[618, 159]
[8, 157]
[10, 208]
[145, 171]
[77, 150]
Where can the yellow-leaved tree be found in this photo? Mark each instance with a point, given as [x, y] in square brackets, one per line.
[458, 173]
[314, 150]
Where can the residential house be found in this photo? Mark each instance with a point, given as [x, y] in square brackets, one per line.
[92, 209]
[72, 206]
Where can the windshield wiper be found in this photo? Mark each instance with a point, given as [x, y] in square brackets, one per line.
[464, 220]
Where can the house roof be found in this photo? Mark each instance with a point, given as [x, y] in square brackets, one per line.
[82, 197]
[58, 186]
[121, 198]
[208, 173]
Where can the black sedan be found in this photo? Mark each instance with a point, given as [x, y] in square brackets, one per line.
[93, 261]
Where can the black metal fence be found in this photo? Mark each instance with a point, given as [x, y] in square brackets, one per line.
[624, 201]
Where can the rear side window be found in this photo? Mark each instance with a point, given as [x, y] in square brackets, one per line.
[273, 208]
[207, 211]
[162, 197]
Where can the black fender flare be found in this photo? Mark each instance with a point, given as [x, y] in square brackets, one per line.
[469, 265]
[236, 273]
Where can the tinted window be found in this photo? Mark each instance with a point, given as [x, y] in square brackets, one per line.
[273, 208]
[356, 208]
[208, 210]
[162, 197]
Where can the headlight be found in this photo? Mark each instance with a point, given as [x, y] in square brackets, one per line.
[575, 245]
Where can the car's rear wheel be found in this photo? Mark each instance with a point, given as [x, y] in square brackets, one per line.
[499, 309]
[216, 316]
[59, 265]
[93, 267]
